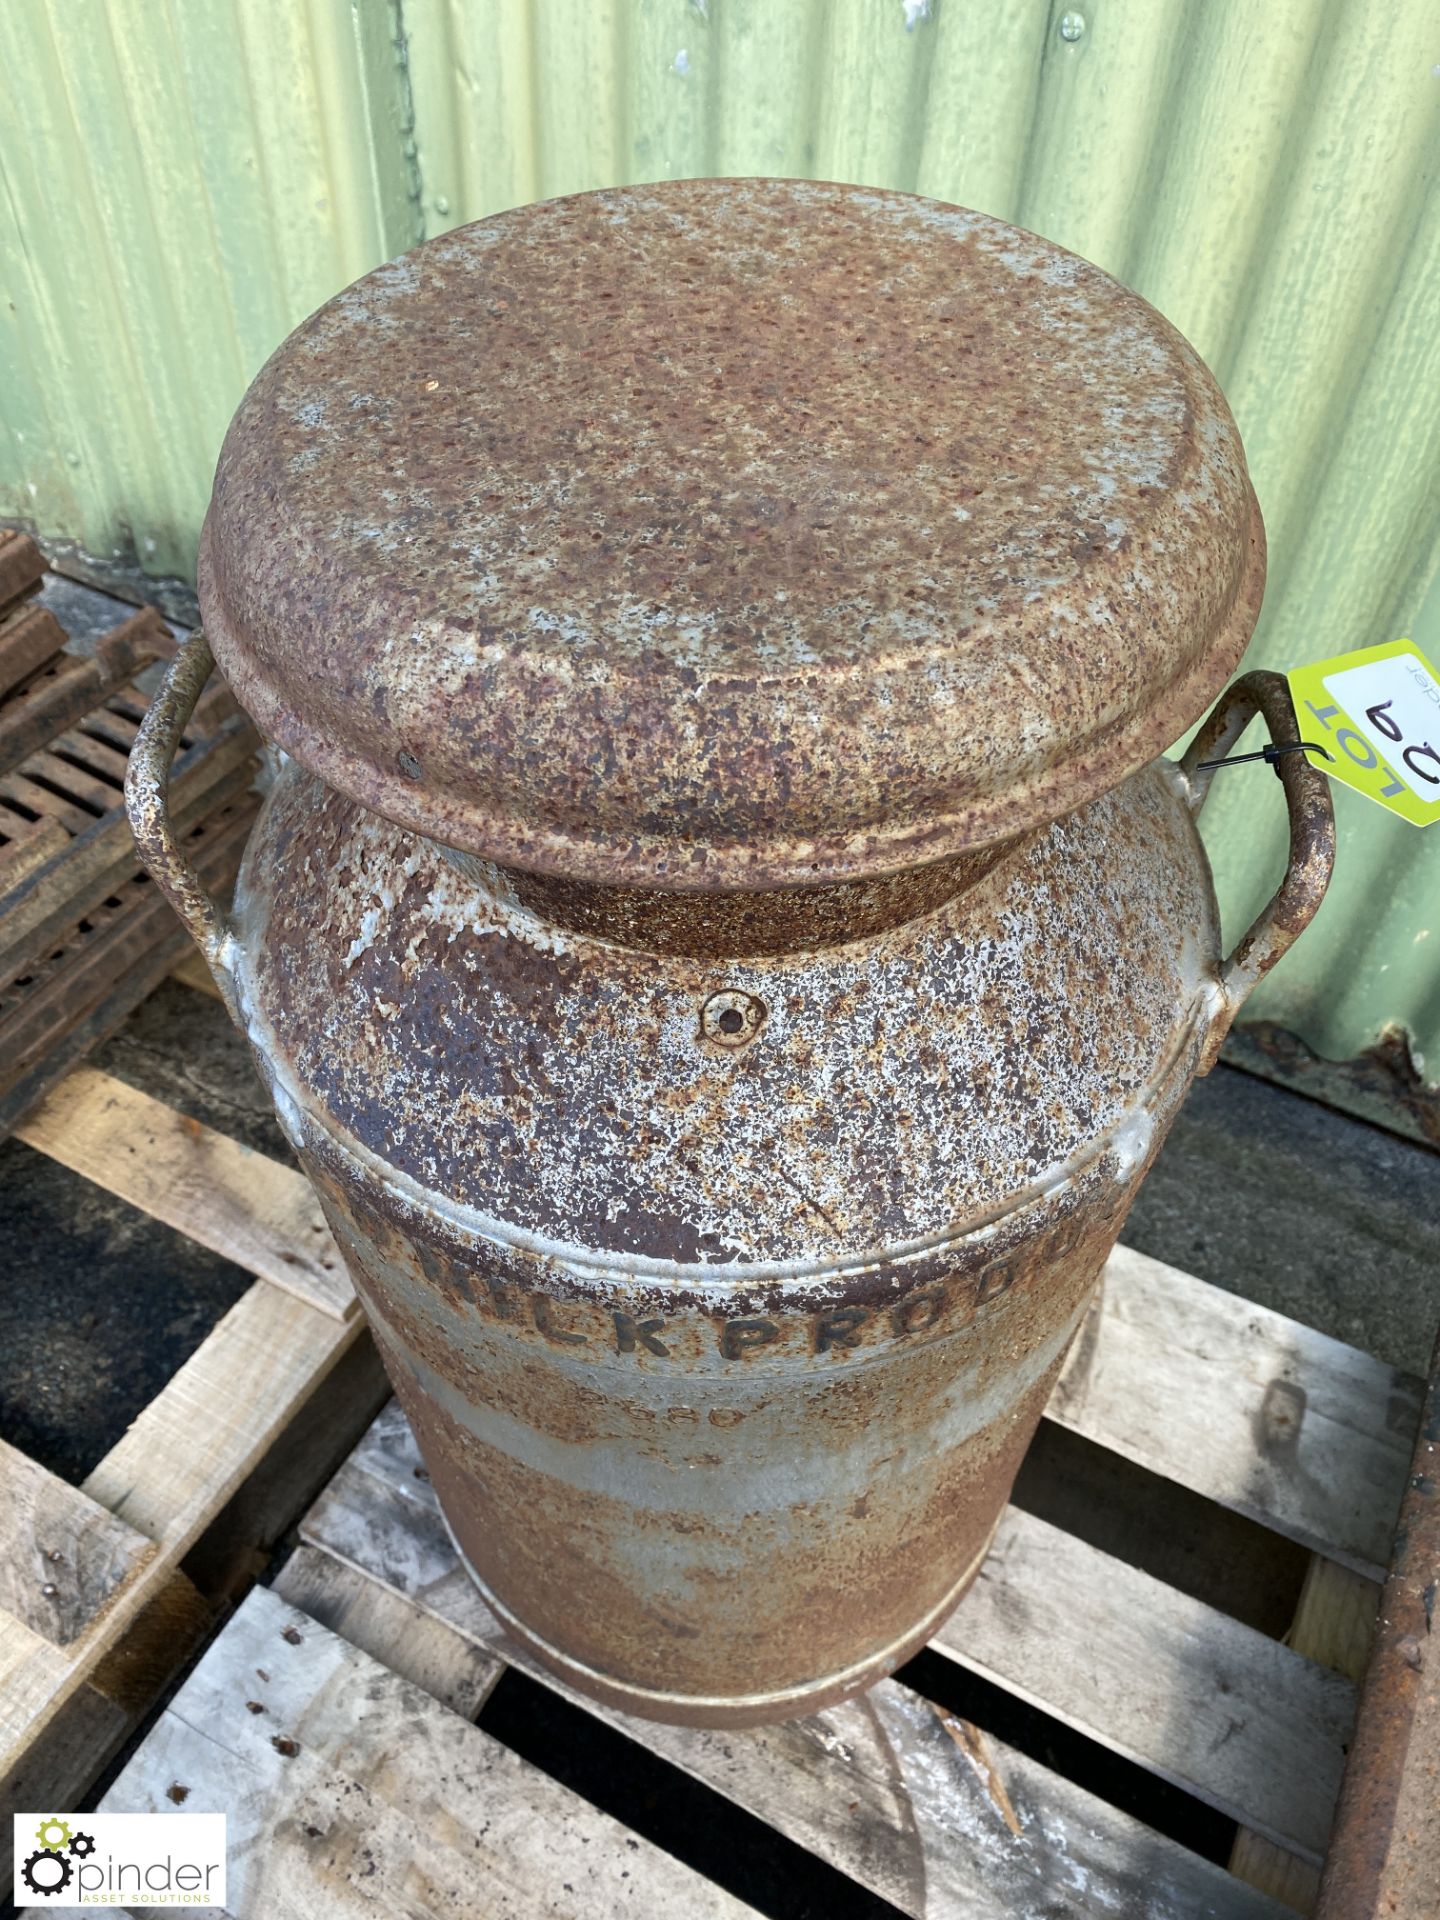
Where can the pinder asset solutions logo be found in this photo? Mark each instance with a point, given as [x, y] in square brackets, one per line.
[120, 1860]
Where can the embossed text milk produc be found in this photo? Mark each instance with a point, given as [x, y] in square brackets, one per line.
[723, 943]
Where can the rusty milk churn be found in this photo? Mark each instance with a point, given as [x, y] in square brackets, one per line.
[722, 942]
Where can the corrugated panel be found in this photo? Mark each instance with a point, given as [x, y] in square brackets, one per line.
[183, 183]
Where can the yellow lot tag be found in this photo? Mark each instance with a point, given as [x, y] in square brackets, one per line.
[1378, 712]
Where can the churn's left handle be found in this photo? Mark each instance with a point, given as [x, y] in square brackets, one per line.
[147, 801]
[1312, 835]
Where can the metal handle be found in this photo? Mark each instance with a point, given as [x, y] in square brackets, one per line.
[1312, 836]
[147, 801]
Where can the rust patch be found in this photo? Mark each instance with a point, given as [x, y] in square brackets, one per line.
[971, 1742]
[566, 1084]
[1383, 1084]
[724, 534]
[777, 920]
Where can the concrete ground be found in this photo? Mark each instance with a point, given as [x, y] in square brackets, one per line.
[1259, 1190]
[1290, 1203]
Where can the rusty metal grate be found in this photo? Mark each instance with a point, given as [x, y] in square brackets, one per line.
[84, 936]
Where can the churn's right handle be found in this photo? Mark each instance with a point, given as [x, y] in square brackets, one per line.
[147, 798]
[1312, 835]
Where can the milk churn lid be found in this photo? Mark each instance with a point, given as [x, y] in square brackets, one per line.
[730, 533]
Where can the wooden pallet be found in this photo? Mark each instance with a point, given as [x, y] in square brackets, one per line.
[95, 1612]
[333, 1718]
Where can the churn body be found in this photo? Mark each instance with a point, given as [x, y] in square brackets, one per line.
[721, 943]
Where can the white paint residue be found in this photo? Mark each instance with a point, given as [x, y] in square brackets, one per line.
[1089, 1076]
[1178, 781]
[915, 11]
[1130, 1142]
[365, 939]
[287, 1112]
[832, 1742]
[386, 895]
[682, 61]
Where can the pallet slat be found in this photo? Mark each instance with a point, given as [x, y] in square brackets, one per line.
[910, 1802]
[226, 1196]
[352, 1791]
[417, 1646]
[169, 1475]
[61, 1554]
[1234, 1717]
[82, 929]
[193, 972]
[101, 1714]
[1260, 1414]
[1334, 1623]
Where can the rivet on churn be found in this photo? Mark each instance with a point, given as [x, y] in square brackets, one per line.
[732, 1018]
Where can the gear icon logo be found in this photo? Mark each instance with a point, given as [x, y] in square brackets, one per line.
[47, 1871]
[82, 1846]
[53, 1834]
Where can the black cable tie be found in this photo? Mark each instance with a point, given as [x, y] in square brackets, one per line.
[1273, 753]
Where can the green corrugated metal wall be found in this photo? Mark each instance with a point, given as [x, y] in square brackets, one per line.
[185, 179]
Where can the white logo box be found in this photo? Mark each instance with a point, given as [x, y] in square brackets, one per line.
[120, 1860]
